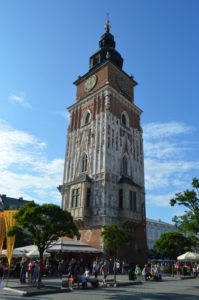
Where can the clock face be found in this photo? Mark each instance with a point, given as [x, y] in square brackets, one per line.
[90, 83]
[121, 83]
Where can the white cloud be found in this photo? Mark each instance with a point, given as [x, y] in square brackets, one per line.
[168, 163]
[20, 100]
[48, 168]
[163, 149]
[17, 147]
[165, 130]
[160, 200]
[159, 174]
[25, 170]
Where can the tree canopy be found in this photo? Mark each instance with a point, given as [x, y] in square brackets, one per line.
[114, 236]
[189, 221]
[172, 244]
[44, 224]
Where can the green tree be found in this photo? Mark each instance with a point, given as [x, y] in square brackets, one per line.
[189, 221]
[44, 224]
[172, 244]
[115, 237]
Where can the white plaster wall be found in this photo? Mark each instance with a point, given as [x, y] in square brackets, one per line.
[104, 161]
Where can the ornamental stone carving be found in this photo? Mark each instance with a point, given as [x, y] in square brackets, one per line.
[107, 102]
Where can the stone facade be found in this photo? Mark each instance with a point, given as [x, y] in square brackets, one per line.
[104, 169]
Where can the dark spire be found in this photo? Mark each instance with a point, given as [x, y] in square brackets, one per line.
[107, 50]
[107, 39]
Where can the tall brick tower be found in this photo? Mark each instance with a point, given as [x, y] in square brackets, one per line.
[104, 171]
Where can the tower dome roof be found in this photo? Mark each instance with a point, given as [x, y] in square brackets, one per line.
[107, 50]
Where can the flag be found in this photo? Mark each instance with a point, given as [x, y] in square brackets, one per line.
[10, 240]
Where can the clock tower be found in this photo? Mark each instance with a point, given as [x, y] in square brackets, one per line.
[104, 170]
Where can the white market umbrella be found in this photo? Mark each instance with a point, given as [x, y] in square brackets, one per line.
[31, 251]
[35, 253]
[26, 249]
[16, 253]
[189, 256]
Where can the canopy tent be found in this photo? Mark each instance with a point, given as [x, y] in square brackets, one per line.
[16, 253]
[26, 249]
[30, 251]
[35, 253]
[72, 246]
[68, 246]
[189, 256]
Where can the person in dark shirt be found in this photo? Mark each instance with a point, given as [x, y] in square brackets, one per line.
[61, 268]
[24, 269]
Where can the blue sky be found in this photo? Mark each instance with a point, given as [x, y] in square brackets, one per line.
[46, 44]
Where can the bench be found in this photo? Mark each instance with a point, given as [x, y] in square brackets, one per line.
[75, 283]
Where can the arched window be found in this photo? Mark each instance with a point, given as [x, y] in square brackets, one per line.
[87, 118]
[124, 119]
[125, 165]
[84, 163]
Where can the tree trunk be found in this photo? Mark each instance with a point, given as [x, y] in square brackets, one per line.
[40, 268]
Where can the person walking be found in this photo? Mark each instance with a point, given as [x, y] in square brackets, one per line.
[96, 268]
[177, 266]
[35, 272]
[104, 271]
[61, 268]
[31, 266]
[117, 266]
[194, 270]
[24, 269]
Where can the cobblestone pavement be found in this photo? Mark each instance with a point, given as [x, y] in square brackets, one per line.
[169, 288]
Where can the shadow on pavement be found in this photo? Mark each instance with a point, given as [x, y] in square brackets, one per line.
[9, 296]
[157, 296]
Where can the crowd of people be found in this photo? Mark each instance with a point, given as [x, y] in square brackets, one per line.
[155, 271]
[150, 272]
[79, 268]
[28, 269]
[187, 268]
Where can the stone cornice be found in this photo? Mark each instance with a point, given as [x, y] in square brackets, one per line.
[106, 90]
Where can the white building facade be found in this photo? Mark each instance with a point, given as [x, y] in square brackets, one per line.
[155, 228]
